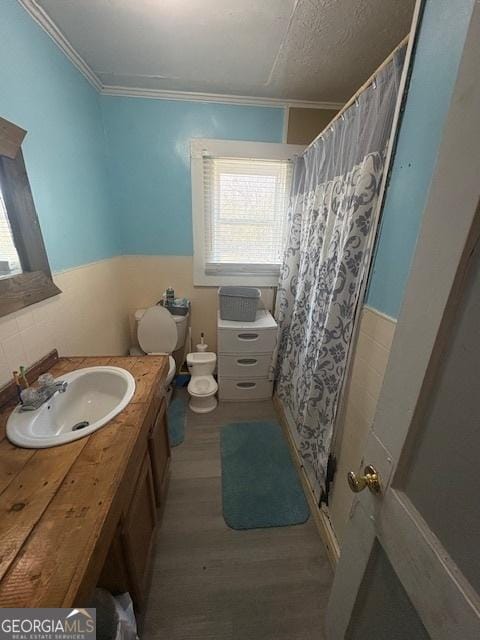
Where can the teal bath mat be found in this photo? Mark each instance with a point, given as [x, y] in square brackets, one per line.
[176, 421]
[260, 485]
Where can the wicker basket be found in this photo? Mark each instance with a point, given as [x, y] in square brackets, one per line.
[238, 303]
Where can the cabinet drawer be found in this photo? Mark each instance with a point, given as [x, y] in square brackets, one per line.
[246, 340]
[241, 365]
[244, 389]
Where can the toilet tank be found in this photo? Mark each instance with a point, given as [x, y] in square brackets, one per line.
[181, 324]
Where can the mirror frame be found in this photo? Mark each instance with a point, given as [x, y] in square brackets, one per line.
[35, 283]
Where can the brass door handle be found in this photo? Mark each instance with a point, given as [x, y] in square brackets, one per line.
[371, 479]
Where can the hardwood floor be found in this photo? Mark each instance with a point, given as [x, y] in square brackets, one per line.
[210, 582]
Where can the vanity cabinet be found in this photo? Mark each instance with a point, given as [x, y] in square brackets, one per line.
[138, 529]
[92, 505]
[159, 450]
[114, 576]
[127, 564]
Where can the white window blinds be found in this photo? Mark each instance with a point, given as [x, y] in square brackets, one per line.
[9, 260]
[245, 206]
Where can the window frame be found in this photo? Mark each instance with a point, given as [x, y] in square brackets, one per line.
[35, 283]
[228, 149]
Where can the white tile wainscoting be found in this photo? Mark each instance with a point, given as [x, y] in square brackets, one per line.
[88, 318]
[368, 369]
[94, 313]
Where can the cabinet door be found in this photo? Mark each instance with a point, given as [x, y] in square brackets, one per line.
[159, 448]
[138, 530]
[115, 577]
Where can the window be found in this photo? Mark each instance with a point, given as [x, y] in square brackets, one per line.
[9, 260]
[240, 193]
[25, 276]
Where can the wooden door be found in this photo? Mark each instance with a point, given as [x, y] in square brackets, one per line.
[410, 563]
[159, 449]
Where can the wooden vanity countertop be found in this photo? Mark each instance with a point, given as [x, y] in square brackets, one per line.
[59, 507]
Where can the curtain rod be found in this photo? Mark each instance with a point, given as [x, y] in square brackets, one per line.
[364, 86]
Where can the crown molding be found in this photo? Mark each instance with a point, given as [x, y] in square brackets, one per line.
[43, 19]
[192, 96]
[47, 24]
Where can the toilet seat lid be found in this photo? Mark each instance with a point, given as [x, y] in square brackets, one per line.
[157, 331]
[202, 385]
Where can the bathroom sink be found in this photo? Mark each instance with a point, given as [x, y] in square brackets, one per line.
[93, 396]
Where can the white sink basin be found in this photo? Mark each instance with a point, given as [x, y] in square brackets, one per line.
[93, 396]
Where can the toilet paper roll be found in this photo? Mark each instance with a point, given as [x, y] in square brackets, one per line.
[202, 347]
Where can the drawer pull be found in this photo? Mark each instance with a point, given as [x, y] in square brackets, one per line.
[247, 362]
[246, 385]
[248, 336]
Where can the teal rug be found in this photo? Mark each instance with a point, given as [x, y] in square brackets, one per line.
[260, 485]
[176, 421]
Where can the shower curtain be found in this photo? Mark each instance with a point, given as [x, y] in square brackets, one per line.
[335, 192]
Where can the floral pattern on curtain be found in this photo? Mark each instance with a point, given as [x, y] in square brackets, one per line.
[317, 298]
[333, 210]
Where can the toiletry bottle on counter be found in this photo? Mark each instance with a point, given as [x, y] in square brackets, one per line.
[169, 297]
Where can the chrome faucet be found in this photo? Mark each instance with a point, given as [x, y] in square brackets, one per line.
[33, 398]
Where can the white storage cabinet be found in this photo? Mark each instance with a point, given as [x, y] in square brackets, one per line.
[245, 352]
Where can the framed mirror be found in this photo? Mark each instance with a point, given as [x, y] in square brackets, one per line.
[25, 276]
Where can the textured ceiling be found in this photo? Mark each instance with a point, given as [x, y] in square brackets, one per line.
[318, 50]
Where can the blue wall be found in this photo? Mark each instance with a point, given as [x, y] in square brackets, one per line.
[133, 194]
[439, 49]
[136, 200]
[64, 149]
[149, 160]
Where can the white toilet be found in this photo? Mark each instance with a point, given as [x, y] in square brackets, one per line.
[161, 333]
[202, 386]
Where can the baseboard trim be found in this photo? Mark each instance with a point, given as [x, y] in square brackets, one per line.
[320, 515]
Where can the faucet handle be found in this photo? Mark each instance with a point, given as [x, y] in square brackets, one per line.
[29, 397]
[46, 380]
